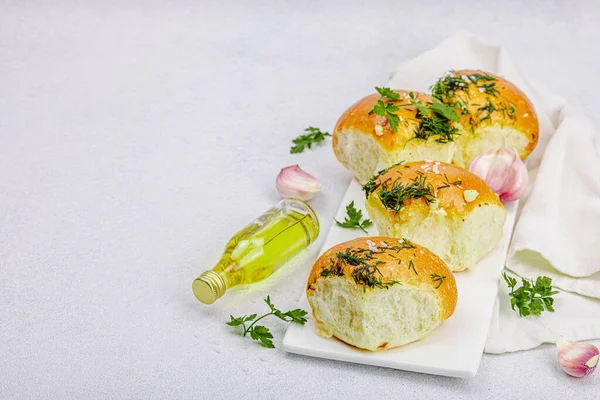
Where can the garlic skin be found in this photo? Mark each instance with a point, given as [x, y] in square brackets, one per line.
[503, 171]
[293, 181]
[577, 359]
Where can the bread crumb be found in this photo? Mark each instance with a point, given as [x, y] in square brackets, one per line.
[470, 195]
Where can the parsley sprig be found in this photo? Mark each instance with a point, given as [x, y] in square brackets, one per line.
[313, 136]
[387, 109]
[531, 298]
[354, 219]
[262, 333]
[439, 108]
[435, 121]
[435, 116]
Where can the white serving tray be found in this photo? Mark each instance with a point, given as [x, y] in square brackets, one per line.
[453, 349]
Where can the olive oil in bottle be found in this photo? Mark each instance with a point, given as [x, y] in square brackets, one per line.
[256, 251]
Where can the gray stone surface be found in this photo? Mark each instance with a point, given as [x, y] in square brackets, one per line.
[135, 138]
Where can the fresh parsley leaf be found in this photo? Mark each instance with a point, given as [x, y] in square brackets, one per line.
[387, 92]
[261, 333]
[531, 298]
[444, 110]
[268, 301]
[387, 109]
[353, 219]
[393, 120]
[297, 316]
[510, 281]
[235, 321]
[313, 136]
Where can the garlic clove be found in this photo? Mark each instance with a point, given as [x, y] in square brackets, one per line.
[503, 171]
[577, 359]
[293, 181]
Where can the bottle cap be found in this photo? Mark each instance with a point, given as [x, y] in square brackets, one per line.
[209, 286]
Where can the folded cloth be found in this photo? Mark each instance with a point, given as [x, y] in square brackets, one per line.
[558, 228]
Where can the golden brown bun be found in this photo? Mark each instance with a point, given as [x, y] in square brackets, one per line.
[364, 143]
[522, 117]
[357, 117]
[386, 316]
[489, 118]
[460, 221]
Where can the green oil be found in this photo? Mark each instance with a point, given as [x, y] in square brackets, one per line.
[256, 251]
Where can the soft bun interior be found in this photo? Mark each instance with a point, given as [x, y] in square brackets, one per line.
[363, 155]
[488, 138]
[373, 319]
[359, 153]
[460, 241]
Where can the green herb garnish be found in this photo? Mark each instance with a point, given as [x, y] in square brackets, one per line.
[406, 244]
[366, 275]
[488, 88]
[372, 184]
[353, 219]
[438, 278]
[531, 298]
[313, 136]
[435, 121]
[411, 265]
[387, 92]
[261, 333]
[489, 108]
[436, 126]
[387, 109]
[480, 77]
[435, 117]
[446, 88]
[394, 196]
[444, 110]
[447, 183]
[366, 272]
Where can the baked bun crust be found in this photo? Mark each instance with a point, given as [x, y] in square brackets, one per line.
[445, 208]
[492, 113]
[365, 143]
[378, 292]
[492, 110]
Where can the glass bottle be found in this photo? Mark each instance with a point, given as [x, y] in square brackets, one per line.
[256, 251]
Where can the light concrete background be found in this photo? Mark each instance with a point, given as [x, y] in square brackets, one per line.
[136, 138]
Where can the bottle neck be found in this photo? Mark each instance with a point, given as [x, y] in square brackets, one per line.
[209, 286]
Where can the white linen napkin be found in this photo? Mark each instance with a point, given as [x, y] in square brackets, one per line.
[557, 233]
